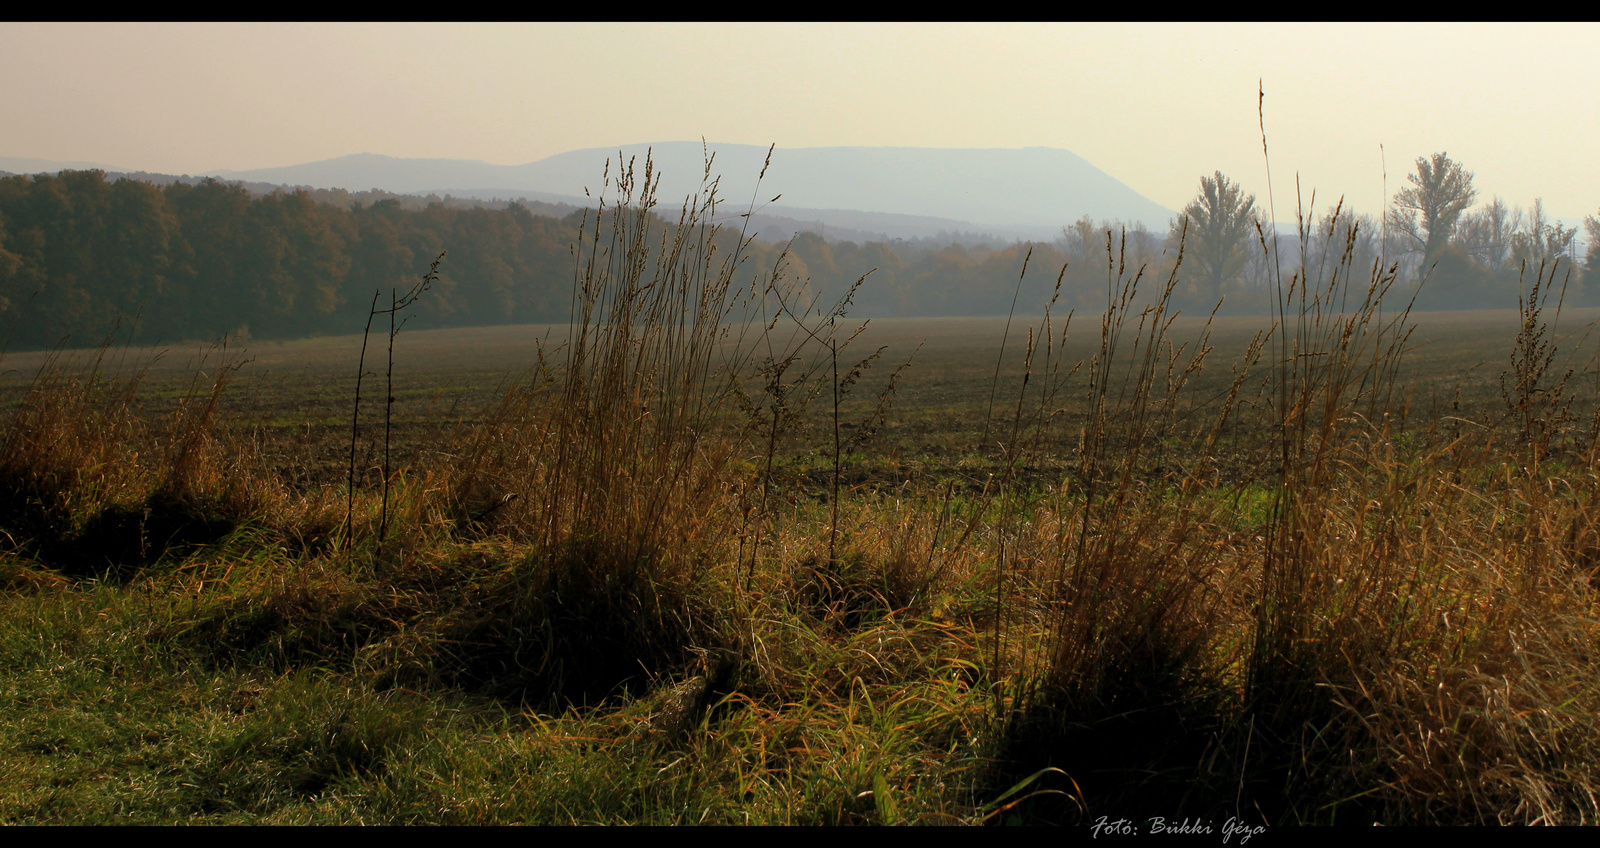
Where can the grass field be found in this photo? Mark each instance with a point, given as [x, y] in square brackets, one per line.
[1152, 567]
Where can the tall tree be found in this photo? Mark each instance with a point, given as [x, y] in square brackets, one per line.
[1340, 231]
[1591, 260]
[1426, 211]
[1542, 241]
[1487, 234]
[1221, 221]
[1084, 241]
[10, 263]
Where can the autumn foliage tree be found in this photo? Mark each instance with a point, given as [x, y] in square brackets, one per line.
[1425, 212]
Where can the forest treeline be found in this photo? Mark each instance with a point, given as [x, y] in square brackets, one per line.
[82, 255]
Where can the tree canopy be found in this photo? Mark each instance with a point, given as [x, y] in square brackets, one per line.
[81, 254]
[1220, 222]
[1426, 212]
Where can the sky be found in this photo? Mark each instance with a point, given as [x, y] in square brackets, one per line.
[1154, 105]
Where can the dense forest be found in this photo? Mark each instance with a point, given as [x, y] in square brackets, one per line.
[81, 255]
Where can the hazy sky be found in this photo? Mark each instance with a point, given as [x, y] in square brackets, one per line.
[1154, 105]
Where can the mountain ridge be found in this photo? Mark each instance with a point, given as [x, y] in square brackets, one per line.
[892, 192]
[1030, 192]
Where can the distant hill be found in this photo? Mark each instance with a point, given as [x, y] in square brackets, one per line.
[843, 193]
[777, 222]
[1031, 192]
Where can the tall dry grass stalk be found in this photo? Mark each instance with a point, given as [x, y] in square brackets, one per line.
[1334, 387]
[1389, 621]
[66, 450]
[620, 439]
[636, 432]
[92, 485]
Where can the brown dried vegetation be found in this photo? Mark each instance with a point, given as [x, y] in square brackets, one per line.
[1376, 615]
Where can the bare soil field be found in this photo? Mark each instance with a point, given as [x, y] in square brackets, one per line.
[296, 398]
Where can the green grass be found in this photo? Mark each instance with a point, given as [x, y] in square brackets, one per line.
[112, 714]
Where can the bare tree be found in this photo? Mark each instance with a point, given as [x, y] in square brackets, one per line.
[1591, 260]
[1142, 244]
[1083, 241]
[1486, 235]
[1541, 241]
[1340, 230]
[1221, 223]
[1132, 244]
[1425, 213]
